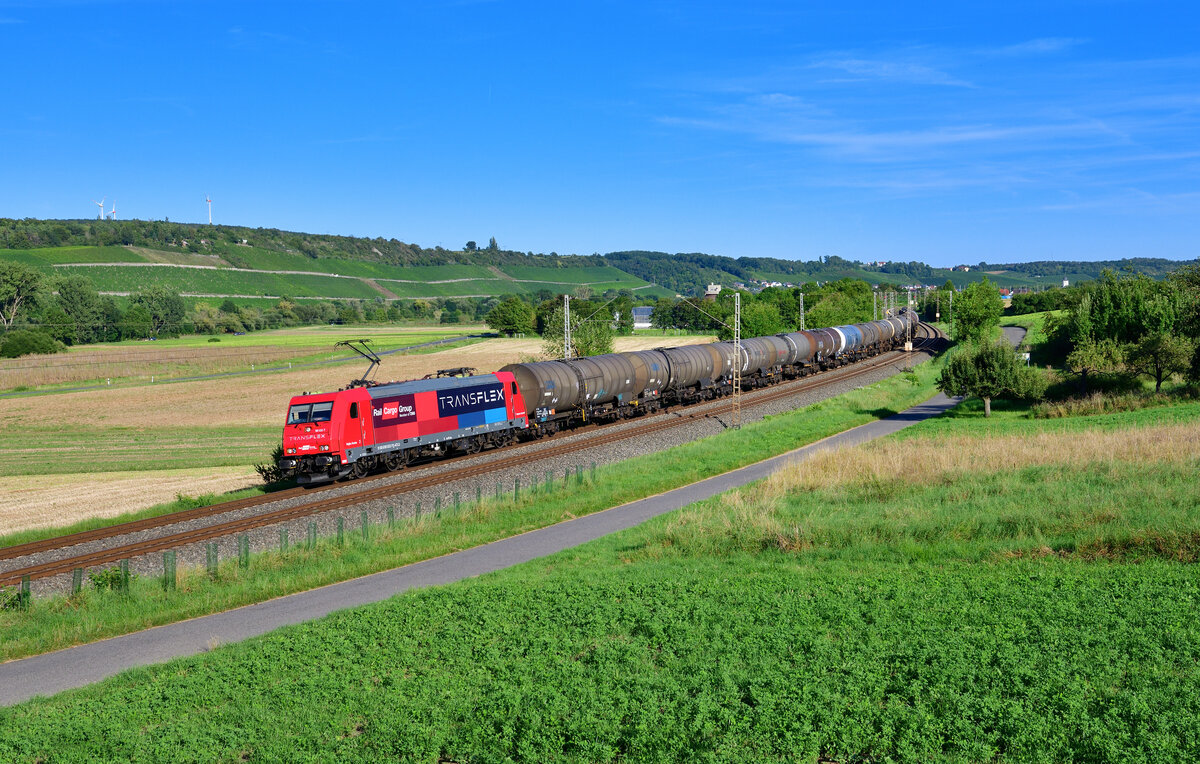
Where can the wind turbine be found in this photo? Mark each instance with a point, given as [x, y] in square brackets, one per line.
[114, 210]
[208, 199]
[101, 203]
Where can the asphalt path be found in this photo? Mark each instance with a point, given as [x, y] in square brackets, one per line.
[79, 666]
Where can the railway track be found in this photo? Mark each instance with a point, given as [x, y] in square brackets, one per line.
[464, 470]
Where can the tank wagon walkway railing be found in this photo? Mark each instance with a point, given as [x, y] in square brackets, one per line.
[78, 666]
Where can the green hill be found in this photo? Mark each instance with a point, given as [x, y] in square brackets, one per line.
[196, 259]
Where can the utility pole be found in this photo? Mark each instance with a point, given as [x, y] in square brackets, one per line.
[567, 326]
[875, 305]
[802, 311]
[736, 418]
[951, 321]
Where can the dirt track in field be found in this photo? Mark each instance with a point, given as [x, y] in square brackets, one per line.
[40, 501]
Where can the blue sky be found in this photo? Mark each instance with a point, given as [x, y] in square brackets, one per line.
[941, 132]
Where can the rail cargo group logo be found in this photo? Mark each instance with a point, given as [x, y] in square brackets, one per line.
[464, 400]
[387, 411]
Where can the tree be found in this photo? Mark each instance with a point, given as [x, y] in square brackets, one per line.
[663, 315]
[1160, 354]
[492, 245]
[512, 316]
[591, 332]
[19, 289]
[56, 323]
[27, 342]
[470, 246]
[84, 310]
[759, 319]
[989, 370]
[137, 323]
[622, 308]
[1092, 356]
[166, 308]
[977, 311]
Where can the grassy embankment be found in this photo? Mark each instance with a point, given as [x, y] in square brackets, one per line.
[93, 615]
[1020, 592]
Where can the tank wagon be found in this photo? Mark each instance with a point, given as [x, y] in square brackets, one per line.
[351, 432]
[558, 394]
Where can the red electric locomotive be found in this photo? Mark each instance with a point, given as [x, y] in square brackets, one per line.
[352, 432]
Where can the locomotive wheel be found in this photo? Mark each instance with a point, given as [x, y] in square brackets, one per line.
[395, 460]
[360, 469]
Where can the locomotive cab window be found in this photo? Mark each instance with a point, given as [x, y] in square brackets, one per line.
[513, 385]
[354, 410]
[299, 414]
[322, 412]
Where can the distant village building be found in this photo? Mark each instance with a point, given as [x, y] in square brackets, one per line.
[641, 316]
[712, 292]
[1066, 283]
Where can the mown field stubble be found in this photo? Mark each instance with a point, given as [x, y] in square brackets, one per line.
[133, 362]
[996, 607]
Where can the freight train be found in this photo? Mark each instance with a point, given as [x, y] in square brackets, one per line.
[369, 427]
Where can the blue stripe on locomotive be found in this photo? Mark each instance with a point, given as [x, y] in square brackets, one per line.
[476, 418]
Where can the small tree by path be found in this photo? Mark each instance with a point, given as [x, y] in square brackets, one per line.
[977, 311]
[990, 370]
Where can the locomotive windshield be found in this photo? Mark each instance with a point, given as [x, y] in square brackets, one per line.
[310, 412]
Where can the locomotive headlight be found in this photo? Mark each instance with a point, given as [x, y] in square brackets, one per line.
[324, 448]
[291, 450]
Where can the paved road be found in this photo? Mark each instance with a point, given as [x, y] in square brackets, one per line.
[79, 666]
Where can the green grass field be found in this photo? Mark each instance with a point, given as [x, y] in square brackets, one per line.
[220, 281]
[53, 451]
[46, 257]
[591, 275]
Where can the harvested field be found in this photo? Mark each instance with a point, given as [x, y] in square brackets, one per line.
[124, 362]
[55, 500]
[255, 401]
[197, 355]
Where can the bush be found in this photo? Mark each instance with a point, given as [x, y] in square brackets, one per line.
[27, 342]
[1107, 403]
[270, 472]
[109, 578]
[10, 598]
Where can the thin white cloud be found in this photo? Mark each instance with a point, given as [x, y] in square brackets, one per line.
[1039, 46]
[892, 71]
